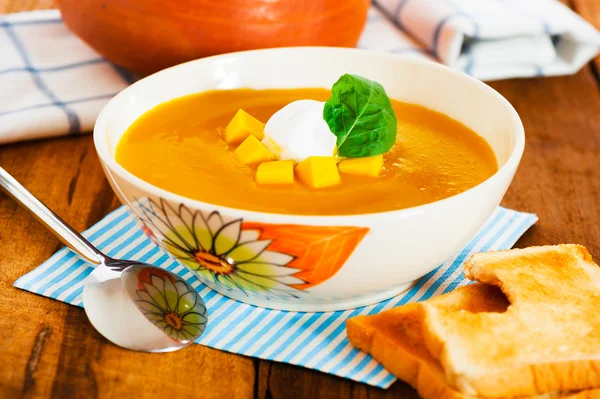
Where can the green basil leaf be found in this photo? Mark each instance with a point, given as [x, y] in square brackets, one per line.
[360, 114]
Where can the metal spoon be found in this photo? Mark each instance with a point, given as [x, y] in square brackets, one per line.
[134, 305]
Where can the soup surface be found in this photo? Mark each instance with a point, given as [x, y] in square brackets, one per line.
[177, 146]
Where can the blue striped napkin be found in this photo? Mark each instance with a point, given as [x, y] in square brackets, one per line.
[314, 340]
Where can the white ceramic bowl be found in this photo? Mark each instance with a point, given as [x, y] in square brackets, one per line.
[314, 263]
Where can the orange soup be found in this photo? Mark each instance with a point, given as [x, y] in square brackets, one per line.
[177, 146]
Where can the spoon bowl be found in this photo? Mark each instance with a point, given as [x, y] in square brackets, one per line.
[144, 308]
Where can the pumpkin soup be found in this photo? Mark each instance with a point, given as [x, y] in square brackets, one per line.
[182, 146]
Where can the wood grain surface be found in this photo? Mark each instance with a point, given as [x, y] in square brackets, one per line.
[49, 350]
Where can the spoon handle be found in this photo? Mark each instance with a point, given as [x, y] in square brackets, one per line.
[52, 221]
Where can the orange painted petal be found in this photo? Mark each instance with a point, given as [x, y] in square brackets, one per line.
[320, 251]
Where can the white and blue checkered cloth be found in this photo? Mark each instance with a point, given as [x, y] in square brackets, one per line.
[52, 84]
[491, 39]
[314, 340]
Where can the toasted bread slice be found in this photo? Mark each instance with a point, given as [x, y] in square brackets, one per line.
[394, 338]
[547, 340]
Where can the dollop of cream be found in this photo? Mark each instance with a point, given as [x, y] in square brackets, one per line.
[298, 131]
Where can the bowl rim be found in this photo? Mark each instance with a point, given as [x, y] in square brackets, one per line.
[113, 166]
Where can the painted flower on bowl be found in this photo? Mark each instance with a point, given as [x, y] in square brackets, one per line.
[222, 251]
[266, 260]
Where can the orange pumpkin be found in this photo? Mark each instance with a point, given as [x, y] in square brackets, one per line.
[148, 35]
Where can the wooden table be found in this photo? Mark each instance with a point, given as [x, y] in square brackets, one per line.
[49, 349]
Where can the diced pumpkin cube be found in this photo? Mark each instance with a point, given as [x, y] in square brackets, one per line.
[241, 126]
[318, 172]
[252, 151]
[364, 166]
[275, 172]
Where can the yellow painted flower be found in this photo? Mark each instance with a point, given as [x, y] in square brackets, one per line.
[222, 251]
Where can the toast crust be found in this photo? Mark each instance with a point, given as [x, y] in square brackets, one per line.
[547, 340]
[395, 339]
